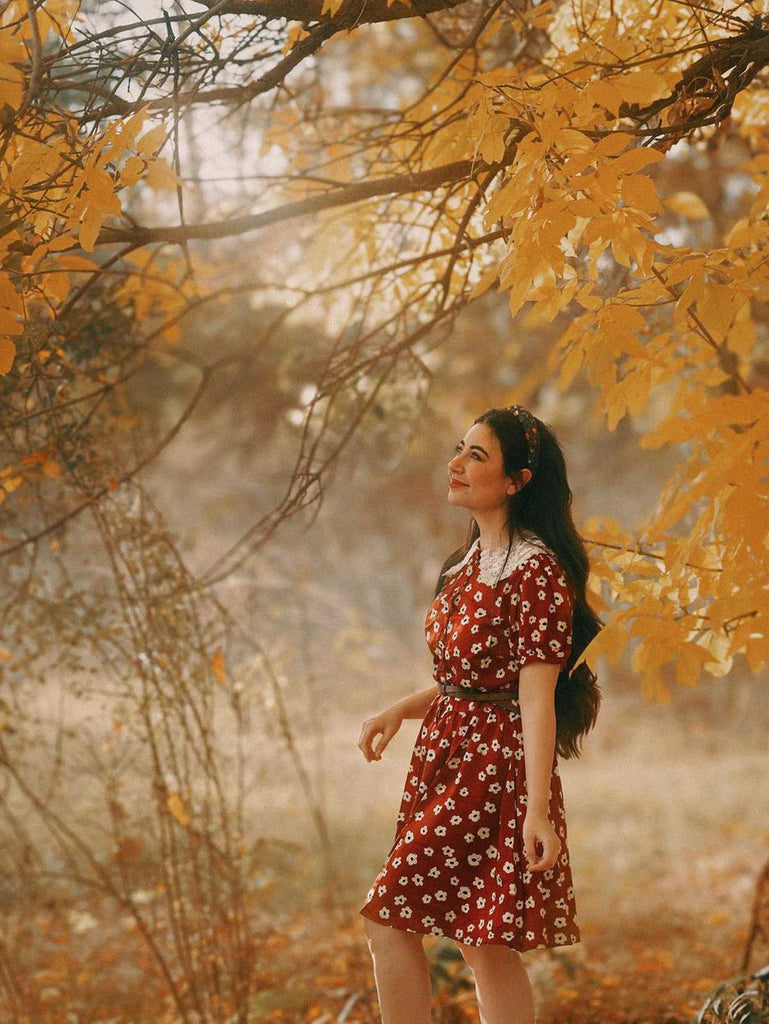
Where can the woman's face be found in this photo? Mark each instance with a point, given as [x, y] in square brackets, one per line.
[477, 479]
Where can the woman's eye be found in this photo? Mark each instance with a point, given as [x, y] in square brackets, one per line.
[475, 455]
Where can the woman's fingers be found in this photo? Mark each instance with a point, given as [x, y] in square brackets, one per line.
[386, 724]
[551, 847]
[387, 735]
[368, 732]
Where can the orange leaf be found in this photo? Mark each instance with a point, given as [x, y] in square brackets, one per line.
[176, 808]
[217, 664]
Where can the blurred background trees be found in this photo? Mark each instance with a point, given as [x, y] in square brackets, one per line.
[262, 264]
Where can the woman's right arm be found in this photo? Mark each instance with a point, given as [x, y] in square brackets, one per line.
[416, 704]
[388, 722]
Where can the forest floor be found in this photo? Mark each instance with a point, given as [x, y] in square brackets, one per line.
[647, 967]
[667, 832]
[668, 828]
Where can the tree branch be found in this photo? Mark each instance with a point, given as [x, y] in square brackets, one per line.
[401, 184]
[351, 13]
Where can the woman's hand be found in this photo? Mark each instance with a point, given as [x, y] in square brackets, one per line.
[387, 723]
[537, 827]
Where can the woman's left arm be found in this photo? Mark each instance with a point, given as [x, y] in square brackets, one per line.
[544, 617]
[536, 695]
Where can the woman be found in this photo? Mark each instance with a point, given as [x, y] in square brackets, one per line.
[480, 852]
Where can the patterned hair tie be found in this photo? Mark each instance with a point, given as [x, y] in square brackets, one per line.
[530, 432]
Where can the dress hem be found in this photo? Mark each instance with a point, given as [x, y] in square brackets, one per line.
[520, 948]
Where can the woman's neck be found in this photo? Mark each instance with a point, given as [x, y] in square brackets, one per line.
[493, 537]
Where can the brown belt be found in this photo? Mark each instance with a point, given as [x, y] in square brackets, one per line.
[503, 699]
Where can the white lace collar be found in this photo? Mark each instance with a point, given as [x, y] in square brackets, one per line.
[492, 566]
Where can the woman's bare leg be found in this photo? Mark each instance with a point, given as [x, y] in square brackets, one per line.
[401, 973]
[505, 995]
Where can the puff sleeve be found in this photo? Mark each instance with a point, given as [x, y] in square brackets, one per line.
[544, 613]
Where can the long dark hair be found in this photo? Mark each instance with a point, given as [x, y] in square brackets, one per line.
[543, 506]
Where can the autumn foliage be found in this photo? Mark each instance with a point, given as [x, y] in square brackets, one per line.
[529, 150]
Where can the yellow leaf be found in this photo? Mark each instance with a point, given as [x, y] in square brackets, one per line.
[756, 652]
[689, 661]
[11, 46]
[51, 468]
[612, 144]
[9, 297]
[101, 191]
[132, 170]
[7, 355]
[57, 285]
[538, 17]
[71, 262]
[130, 128]
[504, 200]
[605, 94]
[716, 308]
[11, 86]
[584, 208]
[152, 140]
[492, 148]
[160, 175]
[60, 242]
[89, 229]
[642, 86]
[331, 7]
[570, 138]
[640, 192]
[611, 642]
[690, 294]
[586, 299]
[636, 159]
[688, 204]
[176, 808]
[9, 323]
[486, 280]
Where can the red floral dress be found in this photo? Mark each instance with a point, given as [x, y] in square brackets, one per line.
[457, 867]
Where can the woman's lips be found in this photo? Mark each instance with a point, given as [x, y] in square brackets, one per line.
[456, 483]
